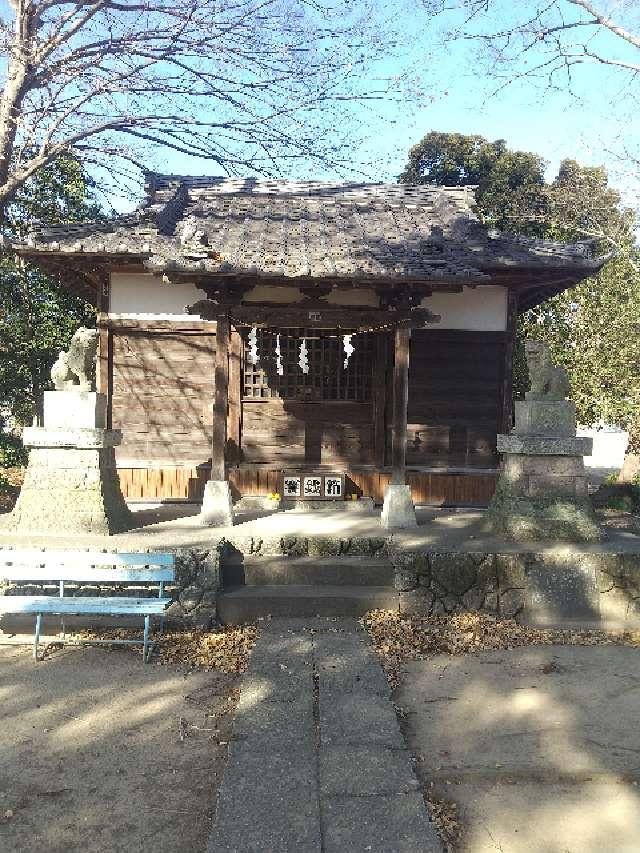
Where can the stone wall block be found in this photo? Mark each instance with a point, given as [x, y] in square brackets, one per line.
[510, 570]
[324, 546]
[619, 610]
[404, 580]
[545, 417]
[456, 573]
[294, 546]
[474, 598]
[550, 485]
[417, 603]
[363, 546]
[511, 603]
[516, 465]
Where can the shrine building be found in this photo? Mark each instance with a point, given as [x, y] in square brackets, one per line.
[249, 328]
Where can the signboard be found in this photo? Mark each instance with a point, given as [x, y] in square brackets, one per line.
[312, 487]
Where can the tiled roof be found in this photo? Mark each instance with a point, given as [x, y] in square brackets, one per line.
[310, 229]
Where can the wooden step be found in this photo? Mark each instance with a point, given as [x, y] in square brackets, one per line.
[241, 604]
[335, 571]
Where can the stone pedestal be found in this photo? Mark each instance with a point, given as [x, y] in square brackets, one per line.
[71, 484]
[75, 409]
[398, 511]
[542, 492]
[217, 505]
[545, 417]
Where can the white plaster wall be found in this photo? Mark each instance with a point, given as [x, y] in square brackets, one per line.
[271, 293]
[144, 293]
[354, 296]
[288, 295]
[480, 309]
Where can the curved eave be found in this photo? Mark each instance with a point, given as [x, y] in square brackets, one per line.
[534, 280]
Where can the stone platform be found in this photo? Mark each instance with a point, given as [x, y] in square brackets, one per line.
[336, 562]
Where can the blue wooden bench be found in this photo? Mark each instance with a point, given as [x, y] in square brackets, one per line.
[95, 568]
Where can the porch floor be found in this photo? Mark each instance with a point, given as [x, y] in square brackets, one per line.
[177, 526]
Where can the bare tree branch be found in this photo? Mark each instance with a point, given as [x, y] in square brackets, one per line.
[246, 84]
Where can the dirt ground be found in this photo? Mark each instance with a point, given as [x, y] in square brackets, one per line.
[529, 750]
[99, 752]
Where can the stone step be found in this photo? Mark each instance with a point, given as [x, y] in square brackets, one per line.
[237, 605]
[336, 571]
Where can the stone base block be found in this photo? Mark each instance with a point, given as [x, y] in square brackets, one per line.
[217, 505]
[520, 512]
[398, 511]
[545, 445]
[545, 476]
[545, 417]
[74, 409]
[64, 438]
[361, 505]
[251, 503]
[71, 490]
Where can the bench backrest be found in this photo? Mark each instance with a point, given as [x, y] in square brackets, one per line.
[25, 564]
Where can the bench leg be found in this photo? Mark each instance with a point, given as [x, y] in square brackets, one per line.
[36, 639]
[145, 646]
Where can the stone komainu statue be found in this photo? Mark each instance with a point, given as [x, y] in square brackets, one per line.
[548, 382]
[75, 369]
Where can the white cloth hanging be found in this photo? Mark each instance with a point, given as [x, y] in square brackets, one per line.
[349, 349]
[253, 346]
[303, 361]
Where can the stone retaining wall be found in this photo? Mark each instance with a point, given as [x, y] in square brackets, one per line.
[543, 588]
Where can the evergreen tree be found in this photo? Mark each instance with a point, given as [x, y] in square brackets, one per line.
[37, 316]
[591, 329]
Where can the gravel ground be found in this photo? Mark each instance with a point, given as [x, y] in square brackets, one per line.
[99, 752]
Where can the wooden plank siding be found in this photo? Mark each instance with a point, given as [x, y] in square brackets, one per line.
[162, 392]
[455, 397]
[291, 433]
[187, 484]
[161, 382]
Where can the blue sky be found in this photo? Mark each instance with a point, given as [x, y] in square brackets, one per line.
[529, 117]
[592, 125]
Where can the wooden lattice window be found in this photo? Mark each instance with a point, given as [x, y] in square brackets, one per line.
[327, 379]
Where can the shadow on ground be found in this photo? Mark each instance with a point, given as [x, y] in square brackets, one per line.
[539, 747]
[99, 752]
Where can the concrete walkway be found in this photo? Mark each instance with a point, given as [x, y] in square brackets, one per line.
[317, 763]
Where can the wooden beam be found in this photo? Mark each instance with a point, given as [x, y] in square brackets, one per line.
[506, 418]
[379, 396]
[402, 340]
[235, 397]
[322, 317]
[220, 409]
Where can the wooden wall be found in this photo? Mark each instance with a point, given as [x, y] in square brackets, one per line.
[161, 386]
[161, 393]
[187, 483]
[455, 397]
[320, 433]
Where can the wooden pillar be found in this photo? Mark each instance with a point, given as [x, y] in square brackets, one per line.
[235, 398]
[104, 361]
[221, 405]
[506, 418]
[400, 402]
[379, 396]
